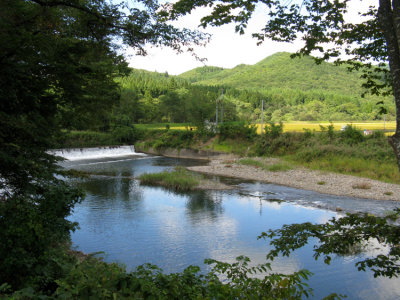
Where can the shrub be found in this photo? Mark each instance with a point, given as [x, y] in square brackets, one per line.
[173, 139]
[237, 130]
[281, 144]
[125, 134]
[351, 135]
[272, 130]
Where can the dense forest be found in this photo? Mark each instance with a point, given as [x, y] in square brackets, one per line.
[292, 90]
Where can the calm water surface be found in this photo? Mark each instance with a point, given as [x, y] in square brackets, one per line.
[133, 224]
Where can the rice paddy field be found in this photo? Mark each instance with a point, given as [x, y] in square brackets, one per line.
[295, 126]
[300, 126]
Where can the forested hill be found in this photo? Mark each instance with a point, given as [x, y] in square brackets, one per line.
[281, 71]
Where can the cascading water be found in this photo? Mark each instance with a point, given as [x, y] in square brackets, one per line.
[94, 153]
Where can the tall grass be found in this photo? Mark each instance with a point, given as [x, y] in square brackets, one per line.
[347, 152]
[178, 180]
[274, 167]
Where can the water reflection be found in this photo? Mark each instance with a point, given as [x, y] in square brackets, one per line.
[204, 204]
[133, 224]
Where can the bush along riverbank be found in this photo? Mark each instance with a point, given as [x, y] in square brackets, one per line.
[92, 278]
[345, 152]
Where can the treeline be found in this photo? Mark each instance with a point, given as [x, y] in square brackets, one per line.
[319, 105]
[153, 97]
[149, 97]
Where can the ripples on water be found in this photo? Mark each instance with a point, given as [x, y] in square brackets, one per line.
[133, 224]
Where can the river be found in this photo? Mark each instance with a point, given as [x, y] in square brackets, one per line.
[132, 224]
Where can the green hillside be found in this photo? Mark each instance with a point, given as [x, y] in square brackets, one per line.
[280, 71]
[292, 90]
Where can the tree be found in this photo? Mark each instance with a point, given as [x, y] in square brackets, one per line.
[372, 45]
[345, 236]
[58, 59]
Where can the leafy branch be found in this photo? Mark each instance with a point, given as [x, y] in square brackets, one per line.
[340, 235]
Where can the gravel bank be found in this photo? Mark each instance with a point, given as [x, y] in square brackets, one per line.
[323, 182]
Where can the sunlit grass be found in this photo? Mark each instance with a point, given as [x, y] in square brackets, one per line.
[274, 167]
[230, 146]
[368, 168]
[179, 179]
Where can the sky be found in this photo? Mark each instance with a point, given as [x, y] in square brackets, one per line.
[227, 49]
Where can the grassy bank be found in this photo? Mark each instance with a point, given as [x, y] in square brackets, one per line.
[347, 152]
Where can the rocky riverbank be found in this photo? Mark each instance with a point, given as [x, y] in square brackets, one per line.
[323, 182]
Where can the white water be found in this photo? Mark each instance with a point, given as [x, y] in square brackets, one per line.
[94, 153]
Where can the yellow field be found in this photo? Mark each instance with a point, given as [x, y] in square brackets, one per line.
[295, 126]
[300, 126]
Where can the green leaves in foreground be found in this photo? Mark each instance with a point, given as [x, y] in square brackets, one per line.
[179, 179]
[98, 280]
[345, 236]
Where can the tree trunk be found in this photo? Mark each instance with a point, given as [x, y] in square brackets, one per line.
[389, 18]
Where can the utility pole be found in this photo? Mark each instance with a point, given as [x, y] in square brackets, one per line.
[216, 115]
[222, 105]
[262, 116]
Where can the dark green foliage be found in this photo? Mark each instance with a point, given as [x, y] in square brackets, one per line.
[30, 227]
[176, 139]
[340, 236]
[273, 130]
[98, 280]
[237, 130]
[125, 134]
[58, 69]
[351, 135]
[274, 141]
[80, 139]
[151, 97]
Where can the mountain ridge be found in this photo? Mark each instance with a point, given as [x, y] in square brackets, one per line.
[280, 71]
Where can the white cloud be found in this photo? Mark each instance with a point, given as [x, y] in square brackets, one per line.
[227, 49]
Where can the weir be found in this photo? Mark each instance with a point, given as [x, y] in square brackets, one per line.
[96, 152]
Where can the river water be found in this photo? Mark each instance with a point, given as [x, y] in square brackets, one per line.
[133, 224]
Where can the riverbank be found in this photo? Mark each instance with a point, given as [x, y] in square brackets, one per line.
[319, 181]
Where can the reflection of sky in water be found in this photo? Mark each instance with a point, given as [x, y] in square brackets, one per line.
[134, 225]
